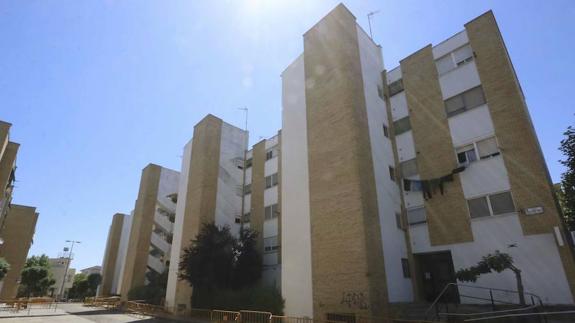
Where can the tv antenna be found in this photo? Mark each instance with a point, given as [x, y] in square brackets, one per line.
[369, 15]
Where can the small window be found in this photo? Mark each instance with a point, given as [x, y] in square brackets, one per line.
[487, 148]
[395, 87]
[271, 244]
[465, 101]
[405, 267]
[271, 212]
[247, 189]
[408, 168]
[399, 221]
[466, 155]
[402, 125]
[478, 207]
[416, 215]
[271, 153]
[271, 180]
[501, 203]
[444, 64]
[392, 173]
[247, 217]
[385, 131]
[463, 55]
[249, 162]
[380, 92]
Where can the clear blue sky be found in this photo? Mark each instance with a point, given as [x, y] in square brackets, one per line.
[96, 90]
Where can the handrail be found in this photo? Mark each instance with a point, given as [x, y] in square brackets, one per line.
[520, 315]
[447, 286]
[492, 312]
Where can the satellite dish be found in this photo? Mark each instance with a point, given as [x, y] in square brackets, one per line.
[66, 249]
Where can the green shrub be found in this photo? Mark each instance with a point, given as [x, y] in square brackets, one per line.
[4, 267]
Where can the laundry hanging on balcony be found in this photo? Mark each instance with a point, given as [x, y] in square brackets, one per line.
[430, 186]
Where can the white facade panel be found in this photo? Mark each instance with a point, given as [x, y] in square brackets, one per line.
[398, 106]
[536, 255]
[270, 228]
[271, 166]
[471, 126]
[484, 176]
[459, 80]
[296, 279]
[450, 44]
[394, 75]
[230, 177]
[271, 195]
[405, 146]
[413, 199]
[394, 245]
[178, 227]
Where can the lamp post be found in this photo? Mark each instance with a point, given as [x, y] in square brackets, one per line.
[67, 266]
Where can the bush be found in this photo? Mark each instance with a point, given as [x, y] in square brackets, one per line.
[149, 294]
[4, 267]
[256, 298]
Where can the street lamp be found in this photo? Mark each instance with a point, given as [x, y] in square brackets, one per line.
[67, 266]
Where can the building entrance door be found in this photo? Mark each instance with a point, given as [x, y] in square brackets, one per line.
[436, 271]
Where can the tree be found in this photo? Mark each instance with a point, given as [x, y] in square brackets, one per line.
[497, 262]
[567, 190]
[223, 269]
[4, 267]
[154, 292]
[36, 277]
[85, 286]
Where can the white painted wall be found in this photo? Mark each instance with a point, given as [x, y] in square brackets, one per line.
[485, 176]
[405, 146]
[271, 166]
[398, 106]
[271, 195]
[471, 126]
[270, 228]
[459, 80]
[399, 288]
[228, 202]
[178, 227]
[450, 44]
[122, 252]
[296, 279]
[536, 255]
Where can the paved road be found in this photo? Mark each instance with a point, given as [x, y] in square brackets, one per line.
[73, 313]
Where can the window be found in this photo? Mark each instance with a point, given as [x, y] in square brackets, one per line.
[478, 207]
[271, 244]
[466, 155]
[392, 173]
[380, 92]
[454, 59]
[399, 221]
[408, 168]
[395, 87]
[247, 189]
[501, 203]
[402, 125]
[271, 212]
[247, 217]
[249, 162]
[487, 148]
[272, 180]
[271, 153]
[416, 215]
[465, 101]
[385, 131]
[405, 267]
[494, 204]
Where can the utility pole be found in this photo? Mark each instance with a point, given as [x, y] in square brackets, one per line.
[67, 266]
[244, 169]
[369, 15]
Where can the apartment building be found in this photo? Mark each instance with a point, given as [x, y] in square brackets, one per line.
[151, 229]
[17, 222]
[112, 257]
[393, 181]
[16, 233]
[61, 272]
[8, 152]
[262, 204]
[210, 190]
